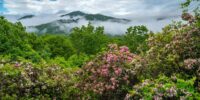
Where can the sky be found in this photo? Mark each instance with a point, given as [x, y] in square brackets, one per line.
[120, 8]
[2, 9]
[142, 12]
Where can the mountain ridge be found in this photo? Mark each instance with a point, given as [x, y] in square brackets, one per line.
[26, 17]
[64, 22]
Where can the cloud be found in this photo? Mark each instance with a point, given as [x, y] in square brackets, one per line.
[138, 9]
[120, 28]
[141, 12]
[109, 26]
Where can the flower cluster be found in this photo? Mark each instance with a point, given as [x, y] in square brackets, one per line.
[197, 81]
[190, 63]
[188, 17]
[159, 89]
[24, 79]
[108, 72]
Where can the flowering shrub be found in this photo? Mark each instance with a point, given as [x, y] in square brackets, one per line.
[110, 72]
[193, 66]
[22, 80]
[197, 82]
[169, 49]
[164, 88]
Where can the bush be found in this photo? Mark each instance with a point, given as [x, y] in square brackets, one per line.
[110, 74]
[21, 80]
[169, 49]
[164, 88]
[77, 60]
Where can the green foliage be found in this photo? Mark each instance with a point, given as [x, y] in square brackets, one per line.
[135, 37]
[187, 3]
[78, 66]
[73, 61]
[88, 39]
[77, 60]
[110, 73]
[164, 88]
[21, 80]
[14, 41]
[59, 45]
[169, 49]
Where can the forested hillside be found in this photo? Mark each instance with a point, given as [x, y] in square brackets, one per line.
[88, 64]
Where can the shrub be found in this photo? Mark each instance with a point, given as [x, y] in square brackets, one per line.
[164, 88]
[110, 74]
[22, 80]
[169, 49]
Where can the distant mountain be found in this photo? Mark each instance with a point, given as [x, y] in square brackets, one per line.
[26, 17]
[94, 17]
[58, 26]
[73, 14]
[63, 23]
[161, 18]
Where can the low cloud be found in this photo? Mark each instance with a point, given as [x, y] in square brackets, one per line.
[141, 12]
[133, 9]
[112, 27]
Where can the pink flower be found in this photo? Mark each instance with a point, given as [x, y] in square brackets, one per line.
[113, 83]
[118, 71]
[113, 46]
[124, 49]
[111, 58]
[112, 79]
[113, 66]
[129, 59]
[105, 66]
[113, 87]
[104, 72]
[107, 87]
[93, 70]
[90, 63]
[98, 71]
[17, 64]
[125, 78]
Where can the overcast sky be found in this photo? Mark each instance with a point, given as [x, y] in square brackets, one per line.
[141, 12]
[119, 8]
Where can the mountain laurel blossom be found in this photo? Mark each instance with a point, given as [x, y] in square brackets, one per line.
[108, 72]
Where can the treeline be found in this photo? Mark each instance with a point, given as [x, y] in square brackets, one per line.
[81, 43]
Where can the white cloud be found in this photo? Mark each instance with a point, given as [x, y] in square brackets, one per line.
[109, 26]
[121, 8]
[142, 12]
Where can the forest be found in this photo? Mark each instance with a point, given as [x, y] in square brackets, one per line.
[88, 64]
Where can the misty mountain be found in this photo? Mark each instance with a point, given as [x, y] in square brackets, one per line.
[26, 17]
[92, 17]
[63, 23]
[58, 26]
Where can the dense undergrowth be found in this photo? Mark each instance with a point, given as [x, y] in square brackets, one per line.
[88, 64]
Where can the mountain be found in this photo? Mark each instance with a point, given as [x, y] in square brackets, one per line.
[26, 17]
[92, 17]
[73, 14]
[63, 23]
[58, 26]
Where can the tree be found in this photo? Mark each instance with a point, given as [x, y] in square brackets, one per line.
[135, 37]
[88, 39]
[59, 45]
[14, 41]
